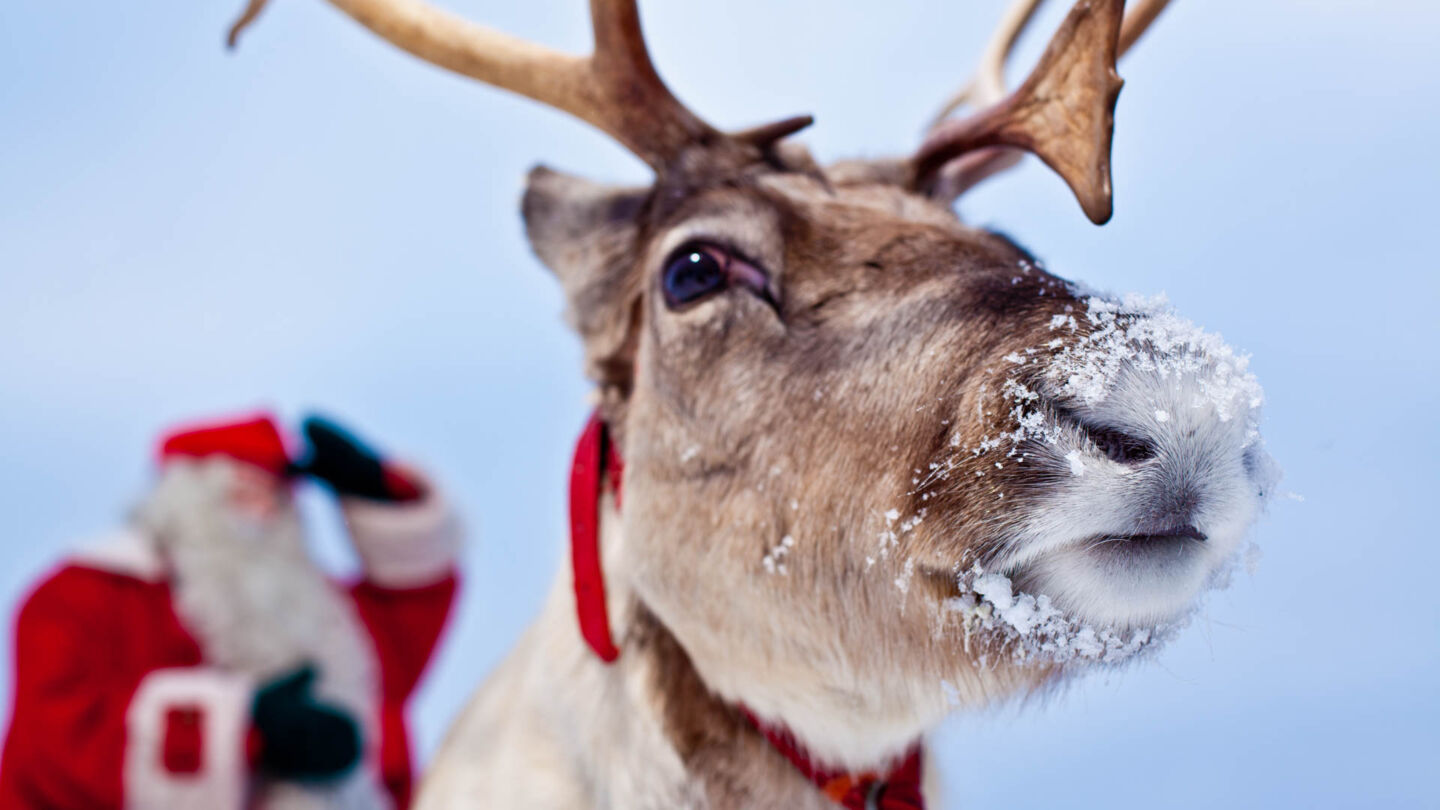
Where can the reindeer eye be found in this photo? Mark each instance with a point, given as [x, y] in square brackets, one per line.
[694, 271]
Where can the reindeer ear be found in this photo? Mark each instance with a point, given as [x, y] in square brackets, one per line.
[586, 233]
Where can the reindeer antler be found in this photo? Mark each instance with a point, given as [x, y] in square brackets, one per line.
[616, 88]
[1063, 113]
[1137, 20]
[987, 86]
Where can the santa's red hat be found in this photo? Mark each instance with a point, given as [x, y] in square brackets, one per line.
[254, 440]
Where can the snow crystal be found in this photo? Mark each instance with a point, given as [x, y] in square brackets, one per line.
[1133, 334]
[774, 561]
[889, 537]
[1033, 629]
[996, 589]
[1077, 467]
[1147, 335]
[903, 581]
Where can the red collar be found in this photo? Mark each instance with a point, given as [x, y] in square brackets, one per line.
[898, 789]
[595, 456]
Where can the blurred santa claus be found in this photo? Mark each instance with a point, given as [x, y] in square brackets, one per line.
[198, 658]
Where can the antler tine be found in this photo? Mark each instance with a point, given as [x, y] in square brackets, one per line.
[987, 86]
[1138, 19]
[1064, 112]
[645, 115]
[616, 89]
[252, 10]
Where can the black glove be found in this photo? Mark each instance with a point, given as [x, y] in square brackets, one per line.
[348, 466]
[302, 739]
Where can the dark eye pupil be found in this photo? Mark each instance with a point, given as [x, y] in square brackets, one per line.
[690, 275]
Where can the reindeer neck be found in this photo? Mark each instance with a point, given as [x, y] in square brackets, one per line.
[727, 754]
[726, 759]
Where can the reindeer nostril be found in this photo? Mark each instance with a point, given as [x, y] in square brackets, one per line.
[1119, 447]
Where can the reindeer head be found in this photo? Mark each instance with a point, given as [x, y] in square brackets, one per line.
[870, 449]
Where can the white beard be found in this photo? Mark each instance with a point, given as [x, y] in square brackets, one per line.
[257, 604]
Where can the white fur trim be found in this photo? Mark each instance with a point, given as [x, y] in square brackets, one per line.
[123, 551]
[224, 701]
[404, 545]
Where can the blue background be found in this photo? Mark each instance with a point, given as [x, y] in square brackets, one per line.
[318, 220]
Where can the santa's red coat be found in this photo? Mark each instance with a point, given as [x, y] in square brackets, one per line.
[116, 707]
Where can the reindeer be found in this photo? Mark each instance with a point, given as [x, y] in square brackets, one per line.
[877, 463]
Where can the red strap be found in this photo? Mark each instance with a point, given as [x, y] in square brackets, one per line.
[899, 789]
[586, 474]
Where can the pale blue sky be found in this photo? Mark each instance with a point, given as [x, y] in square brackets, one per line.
[318, 220]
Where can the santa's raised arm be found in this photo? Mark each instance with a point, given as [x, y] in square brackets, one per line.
[198, 658]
